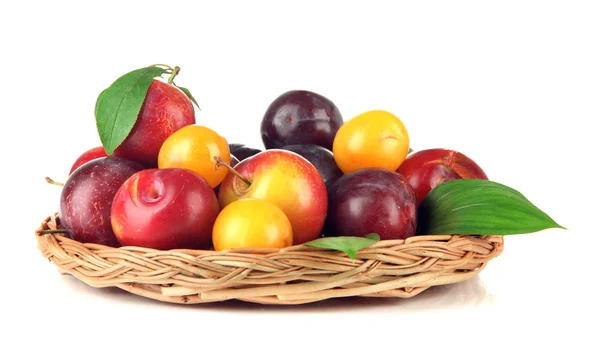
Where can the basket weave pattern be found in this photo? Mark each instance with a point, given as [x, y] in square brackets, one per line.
[294, 275]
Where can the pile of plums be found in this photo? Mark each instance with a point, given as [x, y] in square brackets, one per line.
[373, 182]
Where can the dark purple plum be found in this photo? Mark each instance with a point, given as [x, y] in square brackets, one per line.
[87, 196]
[233, 162]
[300, 117]
[321, 158]
[241, 151]
[372, 200]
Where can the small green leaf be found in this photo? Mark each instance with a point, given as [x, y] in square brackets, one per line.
[373, 237]
[479, 207]
[189, 94]
[347, 244]
[118, 106]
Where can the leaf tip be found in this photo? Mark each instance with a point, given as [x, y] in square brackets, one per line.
[100, 121]
[188, 93]
[351, 254]
[109, 150]
[373, 236]
[558, 226]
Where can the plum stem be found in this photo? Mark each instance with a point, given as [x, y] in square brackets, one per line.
[220, 162]
[51, 181]
[175, 72]
[45, 232]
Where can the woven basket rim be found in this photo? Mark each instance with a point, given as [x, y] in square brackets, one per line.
[293, 275]
[259, 251]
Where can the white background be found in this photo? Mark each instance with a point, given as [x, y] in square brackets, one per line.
[515, 85]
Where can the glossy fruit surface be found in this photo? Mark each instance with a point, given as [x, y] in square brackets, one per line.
[252, 223]
[241, 151]
[300, 117]
[165, 110]
[287, 180]
[91, 154]
[233, 161]
[195, 147]
[374, 139]
[372, 200]
[165, 209]
[321, 158]
[426, 169]
[87, 196]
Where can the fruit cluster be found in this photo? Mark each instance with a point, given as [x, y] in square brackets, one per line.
[174, 183]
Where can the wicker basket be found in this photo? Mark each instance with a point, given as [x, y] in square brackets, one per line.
[294, 275]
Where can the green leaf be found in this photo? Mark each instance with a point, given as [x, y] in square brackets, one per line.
[189, 94]
[479, 207]
[373, 237]
[347, 244]
[118, 106]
